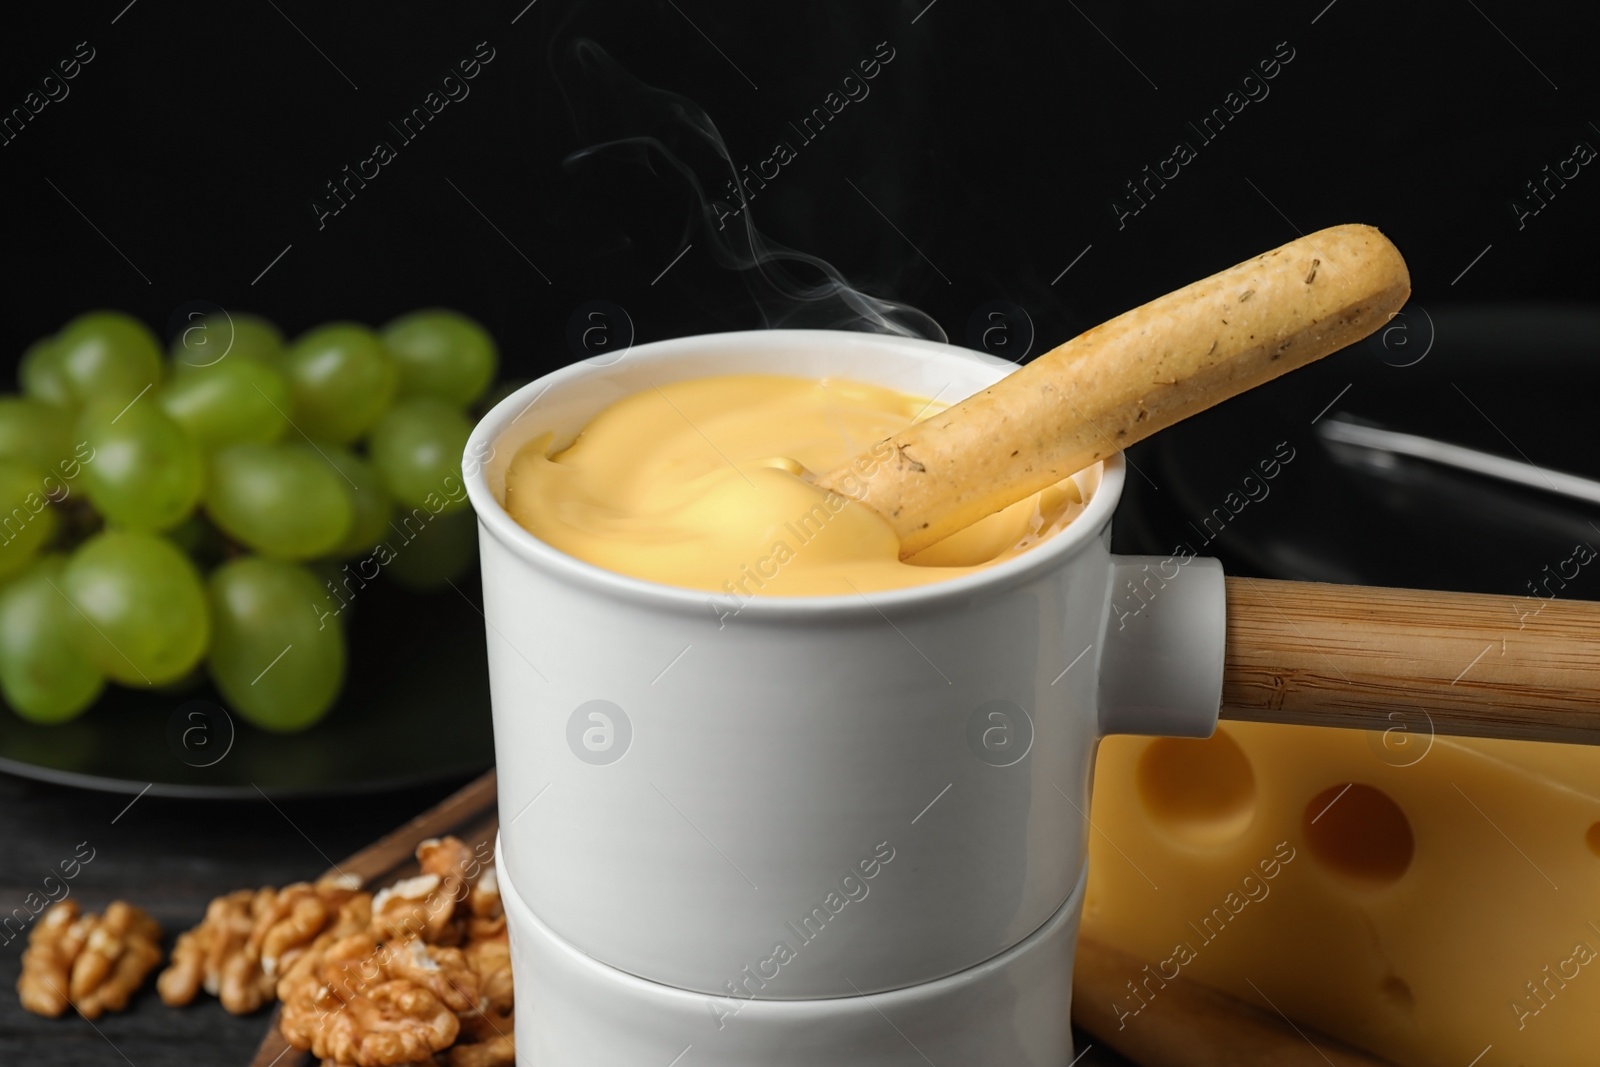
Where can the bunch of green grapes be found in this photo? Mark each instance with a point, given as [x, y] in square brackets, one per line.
[160, 515]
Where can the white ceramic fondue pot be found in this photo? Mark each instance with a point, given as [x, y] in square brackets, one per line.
[823, 831]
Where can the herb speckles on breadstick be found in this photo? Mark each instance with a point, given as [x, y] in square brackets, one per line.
[1130, 377]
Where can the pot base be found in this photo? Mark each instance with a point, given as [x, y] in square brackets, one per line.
[575, 1011]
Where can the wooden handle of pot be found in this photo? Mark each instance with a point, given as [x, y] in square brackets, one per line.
[1468, 664]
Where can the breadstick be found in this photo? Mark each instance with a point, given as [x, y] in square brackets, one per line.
[1126, 379]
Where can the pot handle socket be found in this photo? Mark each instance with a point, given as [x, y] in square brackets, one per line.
[1163, 650]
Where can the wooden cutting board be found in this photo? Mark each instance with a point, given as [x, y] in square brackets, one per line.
[1202, 1028]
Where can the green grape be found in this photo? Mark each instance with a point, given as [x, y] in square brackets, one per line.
[341, 380]
[440, 553]
[107, 355]
[41, 376]
[140, 607]
[277, 659]
[44, 677]
[34, 430]
[147, 472]
[284, 501]
[27, 522]
[417, 448]
[441, 354]
[208, 340]
[231, 403]
[371, 500]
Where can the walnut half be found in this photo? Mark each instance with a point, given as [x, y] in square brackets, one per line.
[369, 1003]
[93, 963]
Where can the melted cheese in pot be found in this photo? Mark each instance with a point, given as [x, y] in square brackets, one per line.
[702, 484]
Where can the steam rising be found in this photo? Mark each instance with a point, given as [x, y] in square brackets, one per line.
[790, 288]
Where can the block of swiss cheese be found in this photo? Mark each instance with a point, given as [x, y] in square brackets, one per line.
[1445, 906]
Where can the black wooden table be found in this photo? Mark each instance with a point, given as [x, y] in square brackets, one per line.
[171, 857]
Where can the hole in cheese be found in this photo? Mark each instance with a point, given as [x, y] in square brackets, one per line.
[1359, 833]
[1201, 791]
[1592, 838]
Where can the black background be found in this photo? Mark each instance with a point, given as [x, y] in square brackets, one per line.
[184, 163]
[994, 143]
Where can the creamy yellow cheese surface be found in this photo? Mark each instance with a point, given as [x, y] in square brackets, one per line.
[701, 484]
[1433, 901]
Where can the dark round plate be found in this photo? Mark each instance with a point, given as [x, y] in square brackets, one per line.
[415, 708]
[1521, 381]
